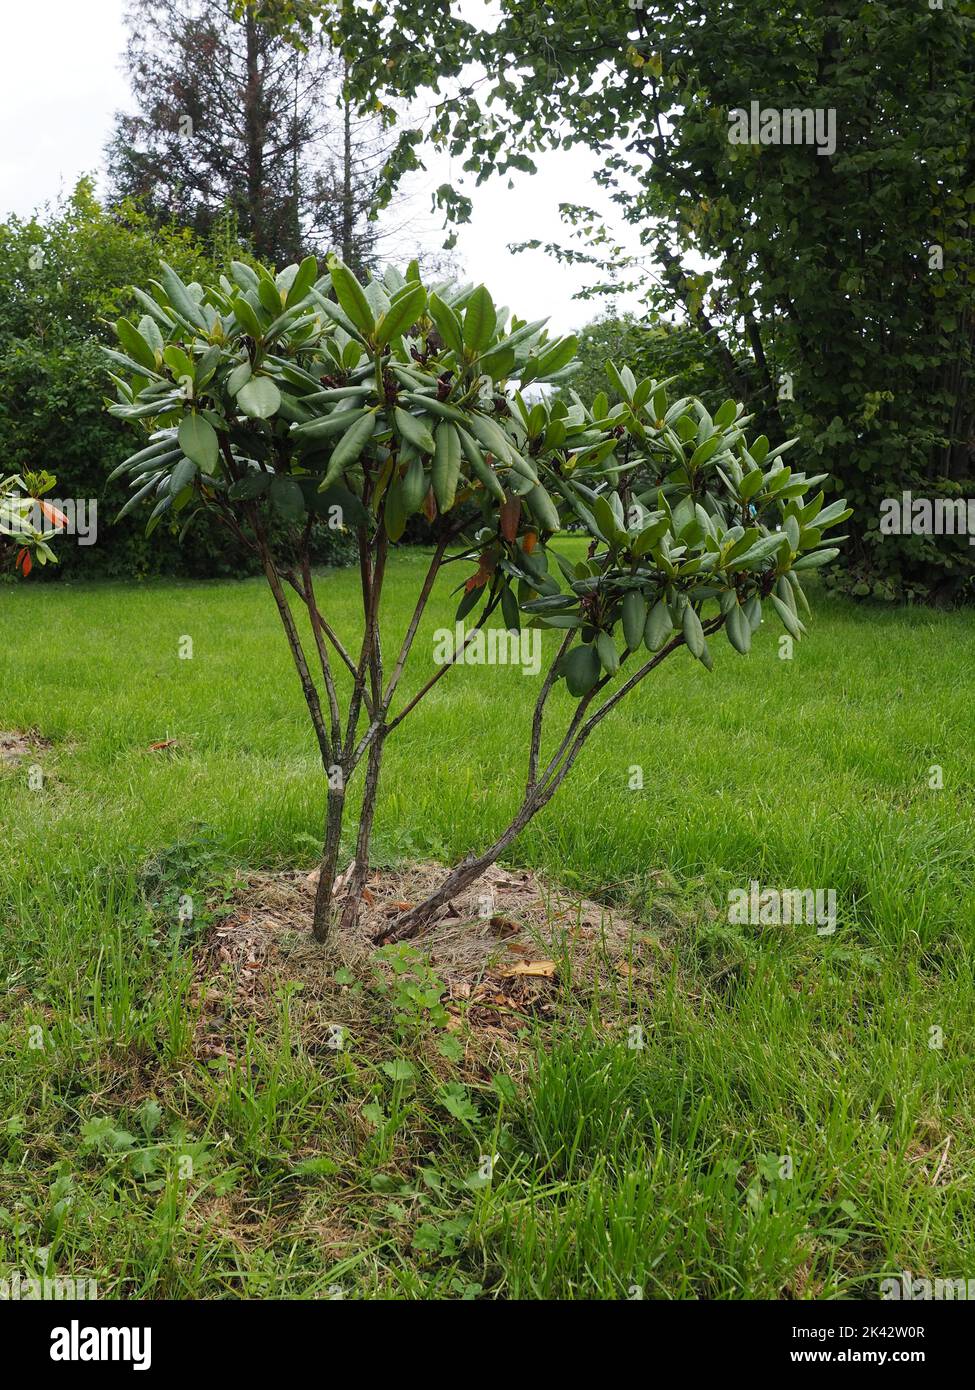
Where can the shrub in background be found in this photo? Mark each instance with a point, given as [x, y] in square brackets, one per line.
[65, 278]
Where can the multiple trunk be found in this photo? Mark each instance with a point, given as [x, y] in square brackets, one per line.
[337, 897]
[341, 751]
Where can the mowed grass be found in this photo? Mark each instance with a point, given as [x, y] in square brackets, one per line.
[798, 1122]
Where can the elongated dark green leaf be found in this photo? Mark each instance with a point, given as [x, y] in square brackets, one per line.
[179, 298]
[493, 437]
[405, 309]
[253, 484]
[303, 281]
[349, 448]
[137, 497]
[480, 467]
[739, 630]
[543, 509]
[509, 610]
[153, 451]
[414, 486]
[814, 559]
[634, 619]
[395, 514]
[352, 298]
[479, 321]
[443, 409]
[789, 620]
[607, 653]
[448, 324]
[246, 316]
[287, 498]
[136, 346]
[329, 425]
[414, 430]
[182, 476]
[581, 669]
[559, 355]
[446, 465]
[693, 632]
[239, 377]
[246, 278]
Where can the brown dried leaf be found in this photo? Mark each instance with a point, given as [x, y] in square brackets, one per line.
[543, 969]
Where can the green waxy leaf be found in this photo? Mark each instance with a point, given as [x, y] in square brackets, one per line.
[303, 281]
[414, 486]
[693, 632]
[349, 448]
[634, 619]
[352, 298]
[659, 626]
[287, 498]
[179, 297]
[581, 668]
[448, 325]
[182, 476]
[446, 465]
[414, 430]
[739, 630]
[479, 321]
[405, 309]
[198, 441]
[259, 398]
[252, 485]
[606, 650]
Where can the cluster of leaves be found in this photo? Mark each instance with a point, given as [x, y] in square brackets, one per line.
[653, 346]
[686, 512]
[148, 1154]
[19, 500]
[261, 394]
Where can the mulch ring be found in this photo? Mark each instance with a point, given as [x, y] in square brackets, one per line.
[16, 745]
[503, 950]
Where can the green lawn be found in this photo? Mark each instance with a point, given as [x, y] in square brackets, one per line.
[619, 1168]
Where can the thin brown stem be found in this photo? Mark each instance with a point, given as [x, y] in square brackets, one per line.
[322, 649]
[536, 797]
[448, 665]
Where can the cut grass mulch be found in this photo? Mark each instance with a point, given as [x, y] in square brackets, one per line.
[502, 951]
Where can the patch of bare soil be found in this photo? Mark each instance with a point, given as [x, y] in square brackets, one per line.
[15, 746]
[502, 951]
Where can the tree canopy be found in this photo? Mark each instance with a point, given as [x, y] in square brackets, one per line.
[850, 273]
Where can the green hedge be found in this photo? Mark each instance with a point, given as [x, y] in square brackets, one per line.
[65, 277]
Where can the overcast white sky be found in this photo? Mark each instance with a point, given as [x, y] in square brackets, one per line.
[62, 83]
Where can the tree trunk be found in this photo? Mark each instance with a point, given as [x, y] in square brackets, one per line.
[348, 213]
[468, 871]
[360, 870]
[322, 921]
[254, 136]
